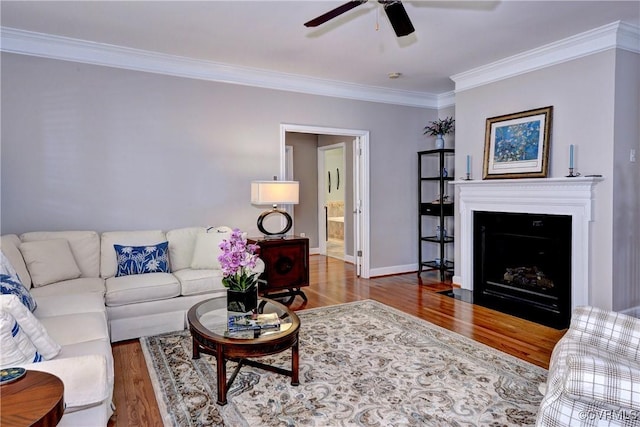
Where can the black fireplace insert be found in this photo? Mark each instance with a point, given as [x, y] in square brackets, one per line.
[522, 265]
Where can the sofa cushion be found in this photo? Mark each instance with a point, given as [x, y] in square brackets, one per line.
[68, 287]
[108, 259]
[49, 261]
[85, 246]
[9, 244]
[100, 346]
[207, 249]
[140, 288]
[84, 378]
[68, 329]
[58, 305]
[17, 348]
[181, 244]
[36, 332]
[10, 284]
[142, 259]
[198, 281]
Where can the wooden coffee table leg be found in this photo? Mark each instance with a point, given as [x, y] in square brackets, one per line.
[294, 364]
[222, 375]
[196, 349]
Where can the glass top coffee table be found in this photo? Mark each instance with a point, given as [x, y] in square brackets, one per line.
[208, 326]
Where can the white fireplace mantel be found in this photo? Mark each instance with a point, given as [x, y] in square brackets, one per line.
[552, 196]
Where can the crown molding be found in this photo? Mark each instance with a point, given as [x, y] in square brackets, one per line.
[615, 35]
[69, 49]
[628, 37]
[447, 99]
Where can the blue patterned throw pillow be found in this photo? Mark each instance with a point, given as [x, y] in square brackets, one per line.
[142, 259]
[10, 284]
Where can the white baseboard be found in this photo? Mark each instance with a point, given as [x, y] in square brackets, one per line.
[396, 269]
[347, 258]
[385, 271]
[457, 280]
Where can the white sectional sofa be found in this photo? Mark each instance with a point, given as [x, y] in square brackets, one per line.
[85, 301]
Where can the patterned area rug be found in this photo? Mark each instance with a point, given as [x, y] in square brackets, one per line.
[361, 364]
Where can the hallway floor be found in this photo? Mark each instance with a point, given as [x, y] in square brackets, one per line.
[335, 248]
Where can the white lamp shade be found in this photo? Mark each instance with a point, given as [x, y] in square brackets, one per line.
[274, 192]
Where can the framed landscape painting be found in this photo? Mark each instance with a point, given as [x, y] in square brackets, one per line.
[517, 145]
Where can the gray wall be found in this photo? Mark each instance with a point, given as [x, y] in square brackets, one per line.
[626, 183]
[586, 94]
[90, 147]
[333, 162]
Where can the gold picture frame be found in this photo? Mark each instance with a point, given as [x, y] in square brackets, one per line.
[517, 145]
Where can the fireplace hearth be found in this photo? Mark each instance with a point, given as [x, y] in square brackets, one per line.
[522, 265]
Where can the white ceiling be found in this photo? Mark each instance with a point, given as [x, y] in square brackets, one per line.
[451, 36]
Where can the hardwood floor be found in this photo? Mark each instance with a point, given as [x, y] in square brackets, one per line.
[334, 282]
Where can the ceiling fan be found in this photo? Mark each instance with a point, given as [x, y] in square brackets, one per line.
[393, 8]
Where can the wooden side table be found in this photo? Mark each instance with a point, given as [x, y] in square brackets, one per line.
[37, 399]
[286, 269]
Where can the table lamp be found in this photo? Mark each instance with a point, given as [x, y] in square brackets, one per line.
[274, 193]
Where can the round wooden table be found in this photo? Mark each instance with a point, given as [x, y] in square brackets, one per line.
[208, 325]
[36, 399]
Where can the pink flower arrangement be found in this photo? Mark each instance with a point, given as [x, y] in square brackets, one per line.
[238, 259]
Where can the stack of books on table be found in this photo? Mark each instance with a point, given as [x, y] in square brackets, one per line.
[254, 322]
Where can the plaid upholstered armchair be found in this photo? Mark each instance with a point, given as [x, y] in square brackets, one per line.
[594, 373]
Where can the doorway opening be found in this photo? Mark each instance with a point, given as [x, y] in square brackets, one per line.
[331, 199]
[310, 211]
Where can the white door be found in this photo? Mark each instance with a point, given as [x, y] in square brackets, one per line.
[357, 206]
[322, 205]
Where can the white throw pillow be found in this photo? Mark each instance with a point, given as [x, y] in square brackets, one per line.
[17, 348]
[207, 249]
[36, 332]
[49, 261]
[182, 242]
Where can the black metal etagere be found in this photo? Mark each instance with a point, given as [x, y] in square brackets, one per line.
[438, 209]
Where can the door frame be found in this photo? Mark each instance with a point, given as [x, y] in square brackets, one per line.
[361, 185]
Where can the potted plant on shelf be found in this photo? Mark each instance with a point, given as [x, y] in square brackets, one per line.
[237, 261]
[439, 128]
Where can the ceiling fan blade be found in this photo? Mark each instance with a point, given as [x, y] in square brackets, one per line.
[334, 13]
[398, 17]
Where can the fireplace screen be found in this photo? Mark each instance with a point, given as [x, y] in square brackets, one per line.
[522, 265]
